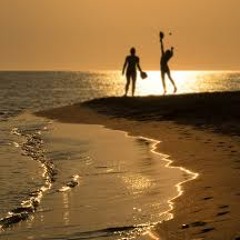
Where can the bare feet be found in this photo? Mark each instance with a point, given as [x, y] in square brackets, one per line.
[175, 89]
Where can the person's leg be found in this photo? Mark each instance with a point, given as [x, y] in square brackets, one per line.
[171, 80]
[163, 82]
[134, 77]
[127, 84]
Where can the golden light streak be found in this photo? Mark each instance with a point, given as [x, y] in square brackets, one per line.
[148, 231]
[192, 176]
[186, 82]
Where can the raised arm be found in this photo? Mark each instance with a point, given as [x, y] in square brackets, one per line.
[172, 48]
[161, 36]
[162, 47]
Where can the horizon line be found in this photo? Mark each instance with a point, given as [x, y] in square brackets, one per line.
[115, 70]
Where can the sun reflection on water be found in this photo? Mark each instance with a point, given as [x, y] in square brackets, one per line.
[137, 183]
[187, 82]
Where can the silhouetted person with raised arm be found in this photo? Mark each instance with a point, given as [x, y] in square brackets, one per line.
[166, 56]
[132, 63]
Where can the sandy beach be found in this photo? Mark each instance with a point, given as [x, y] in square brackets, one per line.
[199, 132]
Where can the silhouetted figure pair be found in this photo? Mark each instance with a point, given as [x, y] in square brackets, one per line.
[132, 63]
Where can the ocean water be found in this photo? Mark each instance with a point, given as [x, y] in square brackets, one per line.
[38, 165]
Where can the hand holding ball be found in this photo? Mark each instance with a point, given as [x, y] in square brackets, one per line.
[161, 35]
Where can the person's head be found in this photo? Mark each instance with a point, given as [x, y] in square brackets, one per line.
[168, 53]
[132, 51]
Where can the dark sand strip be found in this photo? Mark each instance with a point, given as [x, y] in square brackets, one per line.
[217, 111]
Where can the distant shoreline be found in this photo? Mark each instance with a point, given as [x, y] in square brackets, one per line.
[114, 70]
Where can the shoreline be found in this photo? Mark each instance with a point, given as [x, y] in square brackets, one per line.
[199, 135]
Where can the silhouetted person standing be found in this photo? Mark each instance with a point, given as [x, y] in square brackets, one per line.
[132, 63]
[166, 56]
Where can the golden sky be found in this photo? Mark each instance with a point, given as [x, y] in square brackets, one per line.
[97, 34]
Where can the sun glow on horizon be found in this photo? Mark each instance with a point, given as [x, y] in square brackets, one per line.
[112, 82]
[153, 84]
[186, 82]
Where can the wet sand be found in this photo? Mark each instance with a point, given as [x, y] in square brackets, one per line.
[200, 132]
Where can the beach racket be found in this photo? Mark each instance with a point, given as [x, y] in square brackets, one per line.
[143, 75]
